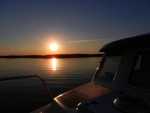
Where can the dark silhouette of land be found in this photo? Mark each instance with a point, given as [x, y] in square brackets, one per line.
[53, 56]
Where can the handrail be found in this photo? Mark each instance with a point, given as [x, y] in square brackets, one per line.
[29, 76]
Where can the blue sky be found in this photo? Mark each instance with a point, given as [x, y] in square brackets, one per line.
[77, 26]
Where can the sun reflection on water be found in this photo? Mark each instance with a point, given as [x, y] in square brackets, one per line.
[54, 64]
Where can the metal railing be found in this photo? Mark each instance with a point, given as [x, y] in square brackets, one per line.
[29, 76]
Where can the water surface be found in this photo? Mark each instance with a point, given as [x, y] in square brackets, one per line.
[61, 74]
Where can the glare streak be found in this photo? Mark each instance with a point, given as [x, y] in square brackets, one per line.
[54, 64]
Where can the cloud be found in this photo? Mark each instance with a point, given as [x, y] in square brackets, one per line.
[24, 46]
[81, 41]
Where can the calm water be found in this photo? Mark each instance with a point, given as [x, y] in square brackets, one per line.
[60, 75]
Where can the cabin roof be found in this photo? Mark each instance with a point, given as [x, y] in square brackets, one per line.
[142, 40]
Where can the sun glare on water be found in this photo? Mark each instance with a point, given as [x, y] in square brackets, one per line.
[53, 46]
[54, 64]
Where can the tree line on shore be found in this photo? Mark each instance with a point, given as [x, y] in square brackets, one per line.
[53, 56]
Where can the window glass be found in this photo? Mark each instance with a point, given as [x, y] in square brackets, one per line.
[109, 68]
[140, 75]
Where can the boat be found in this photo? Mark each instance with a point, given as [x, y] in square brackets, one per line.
[121, 83]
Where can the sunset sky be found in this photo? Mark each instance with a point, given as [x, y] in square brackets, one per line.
[28, 27]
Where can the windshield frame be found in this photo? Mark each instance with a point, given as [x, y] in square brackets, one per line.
[103, 62]
[135, 62]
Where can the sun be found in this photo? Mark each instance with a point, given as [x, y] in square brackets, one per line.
[53, 46]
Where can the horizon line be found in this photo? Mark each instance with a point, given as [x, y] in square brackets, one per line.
[52, 56]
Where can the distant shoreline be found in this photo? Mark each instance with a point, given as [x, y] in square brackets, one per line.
[53, 56]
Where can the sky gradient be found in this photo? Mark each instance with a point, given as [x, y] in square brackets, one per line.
[27, 27]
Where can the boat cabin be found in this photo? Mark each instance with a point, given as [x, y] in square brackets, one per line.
[121, 83]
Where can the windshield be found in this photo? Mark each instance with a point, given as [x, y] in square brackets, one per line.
[108, 68]
[140, 74]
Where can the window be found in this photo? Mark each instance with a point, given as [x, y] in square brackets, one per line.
[109, 67]
[140, 74]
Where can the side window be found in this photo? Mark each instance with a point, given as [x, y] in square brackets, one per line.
[109, 68]
[140, 74]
